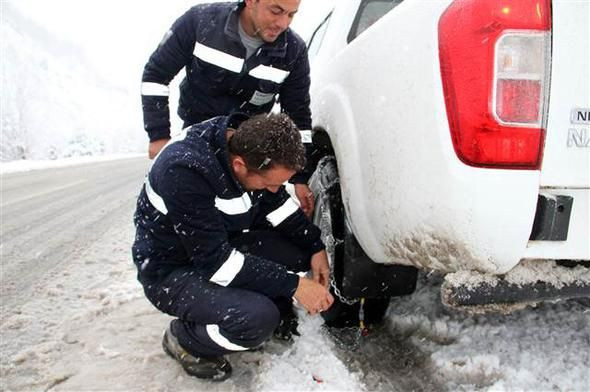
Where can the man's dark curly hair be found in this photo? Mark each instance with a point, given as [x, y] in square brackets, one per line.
[267, 140]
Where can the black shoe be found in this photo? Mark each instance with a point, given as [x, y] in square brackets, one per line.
[216, 369]
[287, 328]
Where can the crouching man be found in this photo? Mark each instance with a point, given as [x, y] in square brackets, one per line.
[219, 240]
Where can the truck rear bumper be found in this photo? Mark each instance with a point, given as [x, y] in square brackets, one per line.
[529, 282]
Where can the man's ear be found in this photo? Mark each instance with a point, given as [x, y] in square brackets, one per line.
[238, 165]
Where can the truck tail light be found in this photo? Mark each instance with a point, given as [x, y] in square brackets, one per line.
[495, 63]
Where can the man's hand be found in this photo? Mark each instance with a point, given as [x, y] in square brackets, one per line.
[314, 297]
[306, 200]
[155, 147]
[320, 269]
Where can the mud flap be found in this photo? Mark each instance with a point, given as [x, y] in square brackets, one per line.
[530, 282]
[362, 277]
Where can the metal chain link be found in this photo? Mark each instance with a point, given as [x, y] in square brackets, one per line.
[341, 297]
[347, 338]
[331, 243]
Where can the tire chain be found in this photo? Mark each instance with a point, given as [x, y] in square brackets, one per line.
[347, 338]
[341, 297]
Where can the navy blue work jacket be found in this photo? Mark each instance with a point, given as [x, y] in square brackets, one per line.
[191, 204]
[219, 81]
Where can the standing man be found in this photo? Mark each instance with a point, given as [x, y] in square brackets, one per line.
[239, 57]
[219, 240]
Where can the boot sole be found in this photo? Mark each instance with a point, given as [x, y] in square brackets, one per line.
[215, 377]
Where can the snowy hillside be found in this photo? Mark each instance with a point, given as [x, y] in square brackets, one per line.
[71, 72]
[54, 104]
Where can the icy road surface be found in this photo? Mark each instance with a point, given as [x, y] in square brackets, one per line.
[73, 317]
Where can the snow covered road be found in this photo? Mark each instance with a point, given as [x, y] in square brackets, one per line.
[74, 318]
[49, 215]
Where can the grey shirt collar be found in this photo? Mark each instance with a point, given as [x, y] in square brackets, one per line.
[250, 43]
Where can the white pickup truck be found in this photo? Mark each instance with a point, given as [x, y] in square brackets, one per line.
[454, 136]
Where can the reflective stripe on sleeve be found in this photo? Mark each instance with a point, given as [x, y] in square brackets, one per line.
[283, 212]
[305, 136]
[154, 89]
[219, 58]
[218, 338]
[229, 269]
[269, 73]
[236, 206]
[154, 198]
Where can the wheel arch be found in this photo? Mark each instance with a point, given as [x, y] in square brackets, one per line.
[339, 127]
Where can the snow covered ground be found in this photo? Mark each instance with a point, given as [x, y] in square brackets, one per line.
[88, 327]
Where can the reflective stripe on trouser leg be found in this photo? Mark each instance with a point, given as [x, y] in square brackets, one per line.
[248, 322]
[213, 320]
[217, 337]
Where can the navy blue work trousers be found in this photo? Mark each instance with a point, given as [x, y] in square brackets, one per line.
[214, 320]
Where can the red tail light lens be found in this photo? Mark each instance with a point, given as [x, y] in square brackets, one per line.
[495, 59]
[518, 101]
